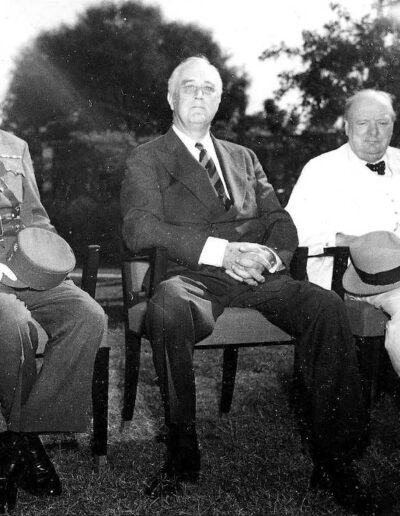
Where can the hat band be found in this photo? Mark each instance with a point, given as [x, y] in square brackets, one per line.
[380, 278]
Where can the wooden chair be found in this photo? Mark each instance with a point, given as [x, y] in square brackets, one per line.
[368, 325]
[101, 365]
[234, 329]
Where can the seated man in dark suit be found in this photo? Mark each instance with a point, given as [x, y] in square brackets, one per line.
[208, 202]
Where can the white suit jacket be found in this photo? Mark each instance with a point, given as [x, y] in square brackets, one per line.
[337, 193]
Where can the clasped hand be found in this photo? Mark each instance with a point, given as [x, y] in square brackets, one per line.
[246, 262]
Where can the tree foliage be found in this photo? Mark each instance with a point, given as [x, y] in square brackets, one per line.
[109, 72]
[83, 96]
[348, 55]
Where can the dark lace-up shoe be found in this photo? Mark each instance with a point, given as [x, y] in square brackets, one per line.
[182, 463]
[39, 476]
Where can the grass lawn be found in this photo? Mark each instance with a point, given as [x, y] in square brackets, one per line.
[252, 460]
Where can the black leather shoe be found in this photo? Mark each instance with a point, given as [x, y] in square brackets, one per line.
[11, 468]
[341, 480]
[39, 476]
[182, 463]
[183, 454]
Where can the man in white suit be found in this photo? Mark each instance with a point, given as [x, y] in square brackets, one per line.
[351, 191]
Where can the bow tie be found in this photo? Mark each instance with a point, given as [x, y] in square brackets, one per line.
[377, 167]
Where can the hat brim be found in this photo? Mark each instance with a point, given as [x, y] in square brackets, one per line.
[353, 284]
[7, 277]
[11, 283]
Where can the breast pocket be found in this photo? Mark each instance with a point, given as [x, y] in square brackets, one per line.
[14, 175]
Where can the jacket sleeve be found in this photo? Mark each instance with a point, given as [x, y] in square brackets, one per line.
[33, 212]
[262, 219]
[280, 231]
[144, 223]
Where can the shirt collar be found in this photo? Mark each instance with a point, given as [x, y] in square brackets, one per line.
[190, 143]
[354, 158]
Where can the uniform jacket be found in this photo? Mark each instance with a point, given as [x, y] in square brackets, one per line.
[20, 179]
[337, 193]
[167, 200]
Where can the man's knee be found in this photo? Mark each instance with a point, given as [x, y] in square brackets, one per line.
[17, 329]
[167, 302]
[326, 299]
[317, 303]
[94, 311]
[179, 308]
[88, 313]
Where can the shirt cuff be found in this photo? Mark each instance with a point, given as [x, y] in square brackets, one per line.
[213, 252]
[278, 266]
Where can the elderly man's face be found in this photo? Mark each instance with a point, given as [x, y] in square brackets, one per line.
[196, 97]
[369, 127]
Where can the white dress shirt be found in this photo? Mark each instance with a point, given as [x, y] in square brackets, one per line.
[337, 193]
[214, 249]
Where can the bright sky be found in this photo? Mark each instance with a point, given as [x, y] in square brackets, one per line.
[242, 28]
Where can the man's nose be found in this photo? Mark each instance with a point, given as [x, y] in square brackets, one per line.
[373, 129]
[198, 92]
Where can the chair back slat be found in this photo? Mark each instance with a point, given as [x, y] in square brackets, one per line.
[90, 270]
[340, 261]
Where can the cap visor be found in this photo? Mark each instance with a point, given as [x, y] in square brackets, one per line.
[9, 278]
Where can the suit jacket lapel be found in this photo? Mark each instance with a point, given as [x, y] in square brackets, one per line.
[233, 168]
[185, 169]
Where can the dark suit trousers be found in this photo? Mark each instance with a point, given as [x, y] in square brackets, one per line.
[183, 311]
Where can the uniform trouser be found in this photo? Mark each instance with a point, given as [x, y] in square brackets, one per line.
[389, 302]
[55, 399]
[183, 311]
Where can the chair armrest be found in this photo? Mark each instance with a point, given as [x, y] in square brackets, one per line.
[298, 265]
[340, 256]
[158, 271]
[157, 259]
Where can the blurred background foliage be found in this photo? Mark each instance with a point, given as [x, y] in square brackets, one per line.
[84, 96]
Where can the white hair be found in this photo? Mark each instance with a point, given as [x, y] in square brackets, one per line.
[172, 81]
[378, 94]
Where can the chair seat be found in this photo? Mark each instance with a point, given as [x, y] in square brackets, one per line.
[365, 319]
[136, 317]
[244, 326]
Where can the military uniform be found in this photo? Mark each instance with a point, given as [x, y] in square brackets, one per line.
[57, 398]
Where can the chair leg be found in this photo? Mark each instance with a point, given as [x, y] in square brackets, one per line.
[228, 378]
[100, 406]
[370, 354]
[132, 365]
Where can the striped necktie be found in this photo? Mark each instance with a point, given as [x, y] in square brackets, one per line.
[207, 162]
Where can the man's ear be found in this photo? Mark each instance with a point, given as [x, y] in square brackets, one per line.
[346, 127]
[170, 101]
